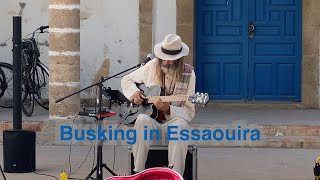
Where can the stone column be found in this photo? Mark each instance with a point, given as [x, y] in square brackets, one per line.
[185, 25]
[64, 57]
[145, 27]
[310, 53]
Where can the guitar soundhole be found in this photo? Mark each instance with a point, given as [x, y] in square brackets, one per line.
[131, 114]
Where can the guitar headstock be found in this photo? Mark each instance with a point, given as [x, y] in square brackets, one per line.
[200, 99]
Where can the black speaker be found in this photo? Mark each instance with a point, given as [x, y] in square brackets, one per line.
[19, 151]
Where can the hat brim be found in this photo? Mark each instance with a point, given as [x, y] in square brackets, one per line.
[163, 56]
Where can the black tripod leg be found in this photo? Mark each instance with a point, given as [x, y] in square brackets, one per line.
[105, 166]
[89, 176]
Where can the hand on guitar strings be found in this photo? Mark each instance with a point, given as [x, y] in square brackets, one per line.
[138, 97]
[162, 106]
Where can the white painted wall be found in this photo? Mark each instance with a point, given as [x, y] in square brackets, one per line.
[109, 30]
[164, 19]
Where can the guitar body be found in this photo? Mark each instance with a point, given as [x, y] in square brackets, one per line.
[127, 114]
[156, 173]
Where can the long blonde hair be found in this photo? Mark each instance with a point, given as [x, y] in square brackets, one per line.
[178, 74]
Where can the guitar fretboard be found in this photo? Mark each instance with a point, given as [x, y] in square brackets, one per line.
[168, 98]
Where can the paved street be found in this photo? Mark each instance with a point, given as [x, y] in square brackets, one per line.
[213, 163]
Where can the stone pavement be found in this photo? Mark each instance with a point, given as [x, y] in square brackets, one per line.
[213, 163]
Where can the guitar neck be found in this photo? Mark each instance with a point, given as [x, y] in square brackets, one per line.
[168, 98]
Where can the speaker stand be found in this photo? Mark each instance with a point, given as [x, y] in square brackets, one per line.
[4, 177]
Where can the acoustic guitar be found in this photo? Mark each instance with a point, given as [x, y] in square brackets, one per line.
[128, 112]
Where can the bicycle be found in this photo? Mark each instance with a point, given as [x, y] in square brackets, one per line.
[6, 101]
[3, 83]
[35, 76]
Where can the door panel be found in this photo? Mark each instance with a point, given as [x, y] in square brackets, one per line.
[222, 48]
[275, 50]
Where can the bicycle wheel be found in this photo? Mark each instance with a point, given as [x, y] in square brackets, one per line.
[41, 80]
[6, 101]
[27, 72]
[27, 101]
[2, 83]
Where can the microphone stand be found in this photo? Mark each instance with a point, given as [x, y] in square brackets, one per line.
[99, 164]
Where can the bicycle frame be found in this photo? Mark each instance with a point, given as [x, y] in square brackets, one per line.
[30, 76]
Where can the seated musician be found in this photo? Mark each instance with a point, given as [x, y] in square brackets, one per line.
[169, 71]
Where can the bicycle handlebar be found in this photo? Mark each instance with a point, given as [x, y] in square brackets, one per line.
[41, 28]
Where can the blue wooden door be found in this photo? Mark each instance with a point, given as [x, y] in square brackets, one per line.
[222, 48]
[275, 50]
[236, 63]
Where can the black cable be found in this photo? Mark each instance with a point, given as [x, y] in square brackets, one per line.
[70, 169]
[114, 157]
[94, 156]
[70, 147]
[41, 174]
[83, 161]
[46, 175]
[114, 152]
[70, 157]
[88, 152]
[94, 148]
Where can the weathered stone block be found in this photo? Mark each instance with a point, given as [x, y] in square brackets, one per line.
[62, 42]
[64, 73]
[64, 18]
[310, 43]
[64, 2]
[310, 78]
[310, 12]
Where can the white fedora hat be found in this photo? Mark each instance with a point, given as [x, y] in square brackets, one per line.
[171, 48]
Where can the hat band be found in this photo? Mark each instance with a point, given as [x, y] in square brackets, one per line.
[171, 52]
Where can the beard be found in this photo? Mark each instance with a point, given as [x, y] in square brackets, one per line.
[169, 68]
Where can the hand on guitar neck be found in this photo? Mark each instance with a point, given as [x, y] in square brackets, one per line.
[138, 98]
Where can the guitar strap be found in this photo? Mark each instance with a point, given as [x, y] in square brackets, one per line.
[161, 117]
[176, 88]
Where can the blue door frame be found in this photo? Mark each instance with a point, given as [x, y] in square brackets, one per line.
[232, 65]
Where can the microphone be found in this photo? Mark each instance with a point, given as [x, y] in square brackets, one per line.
[147, 59]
